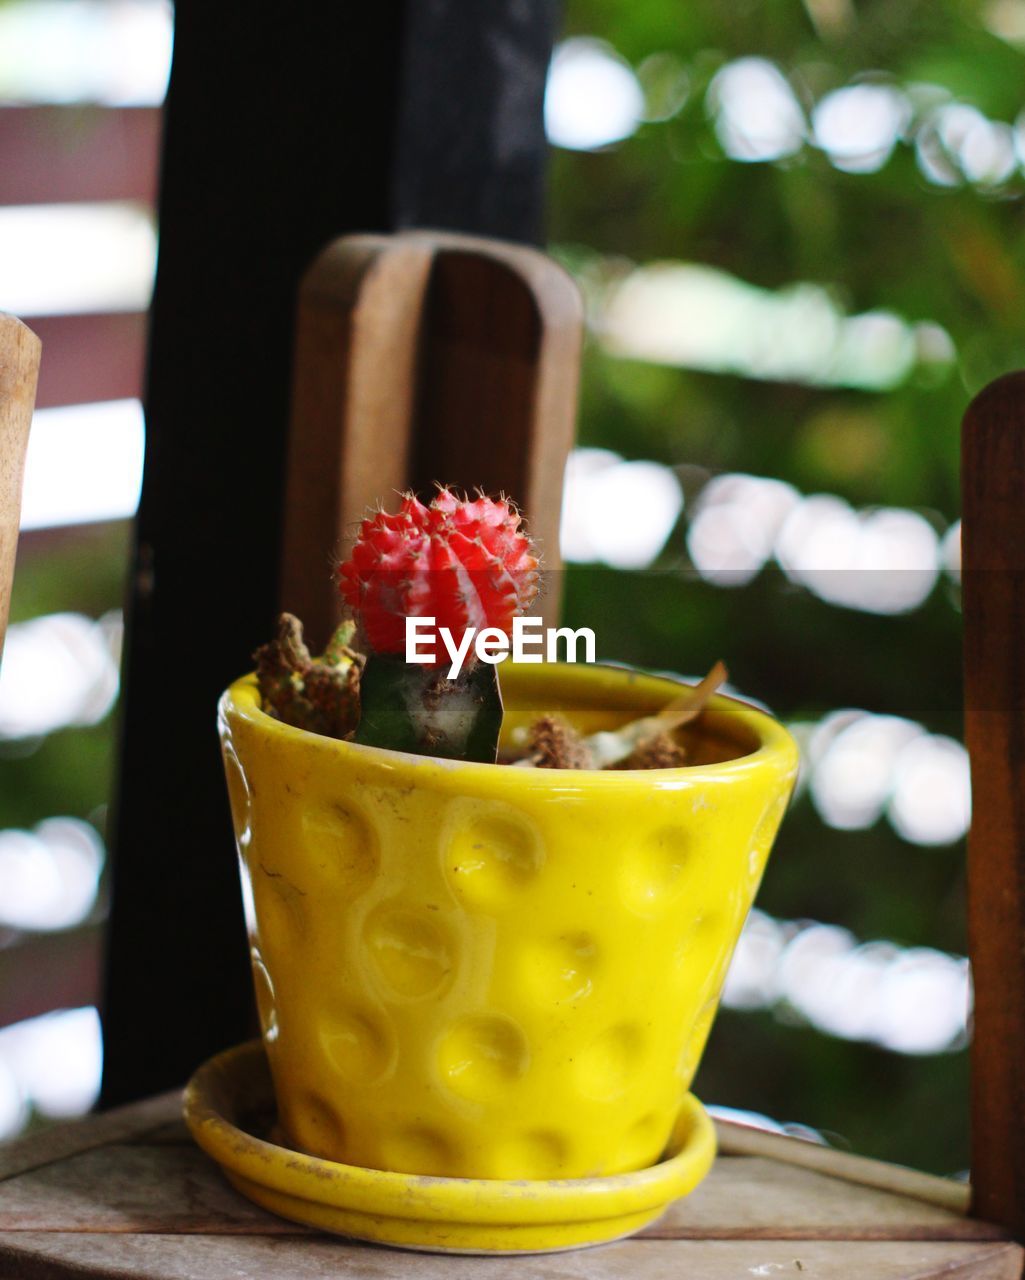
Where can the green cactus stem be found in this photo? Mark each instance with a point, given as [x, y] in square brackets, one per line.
[406, 707]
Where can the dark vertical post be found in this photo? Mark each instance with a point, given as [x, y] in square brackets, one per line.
[993, 484]
[277, 137]
[283, 131]
[470, 149]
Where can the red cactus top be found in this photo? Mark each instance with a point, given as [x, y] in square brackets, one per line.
[463, 563]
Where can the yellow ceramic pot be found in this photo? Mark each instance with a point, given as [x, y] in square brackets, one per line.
[480, 971]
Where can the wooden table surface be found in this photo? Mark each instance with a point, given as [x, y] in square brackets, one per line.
[127, 1194]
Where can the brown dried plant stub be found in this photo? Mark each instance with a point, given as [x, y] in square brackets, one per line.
[647, 743]
[661, 751]
[320, 695]
[553, 743]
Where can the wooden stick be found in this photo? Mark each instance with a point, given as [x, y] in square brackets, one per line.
[608, 748]
[688, 706]
[741, 1140]
[993, 558]
[19, 372]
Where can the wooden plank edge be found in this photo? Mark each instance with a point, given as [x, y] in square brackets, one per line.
[741, 1140]
[275, 1229]
[962, 1231]
[40, 1256]
[36, 1150]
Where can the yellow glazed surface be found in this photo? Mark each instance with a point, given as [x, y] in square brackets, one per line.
[225, 1098]
[479, 971]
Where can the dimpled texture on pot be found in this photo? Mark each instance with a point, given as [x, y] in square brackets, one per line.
[485, 972]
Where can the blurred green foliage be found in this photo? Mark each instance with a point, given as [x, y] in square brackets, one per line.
[80, 569]
[891, 239]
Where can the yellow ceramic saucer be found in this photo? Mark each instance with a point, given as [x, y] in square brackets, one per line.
[230, 1100]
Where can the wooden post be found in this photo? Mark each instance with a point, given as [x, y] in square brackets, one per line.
[425, 358]
[19, 371]
[993, 570]
[281, 135]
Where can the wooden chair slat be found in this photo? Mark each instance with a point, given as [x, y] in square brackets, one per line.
[57, 153]
[19, 372]
[52, 971]
[91, 357]
[993, 574]
[424, 357]
[499, 369]
[352, 403]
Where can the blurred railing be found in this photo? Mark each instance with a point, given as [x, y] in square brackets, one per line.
[80, 119]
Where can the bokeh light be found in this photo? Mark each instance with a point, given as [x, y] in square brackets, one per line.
[735, 525]
[854, 764]
[907, 1000]
[615, 512]
[858, 766]
[55, 1061]
[84, 464]
[593, 98]
[950, 551]
[757, 116]
[858, 126]
[932, 796]
[877, 560]
[58, 670]
[881, 561]
[57, 51]
[49, 876]
[699, 317]
[63, 259]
